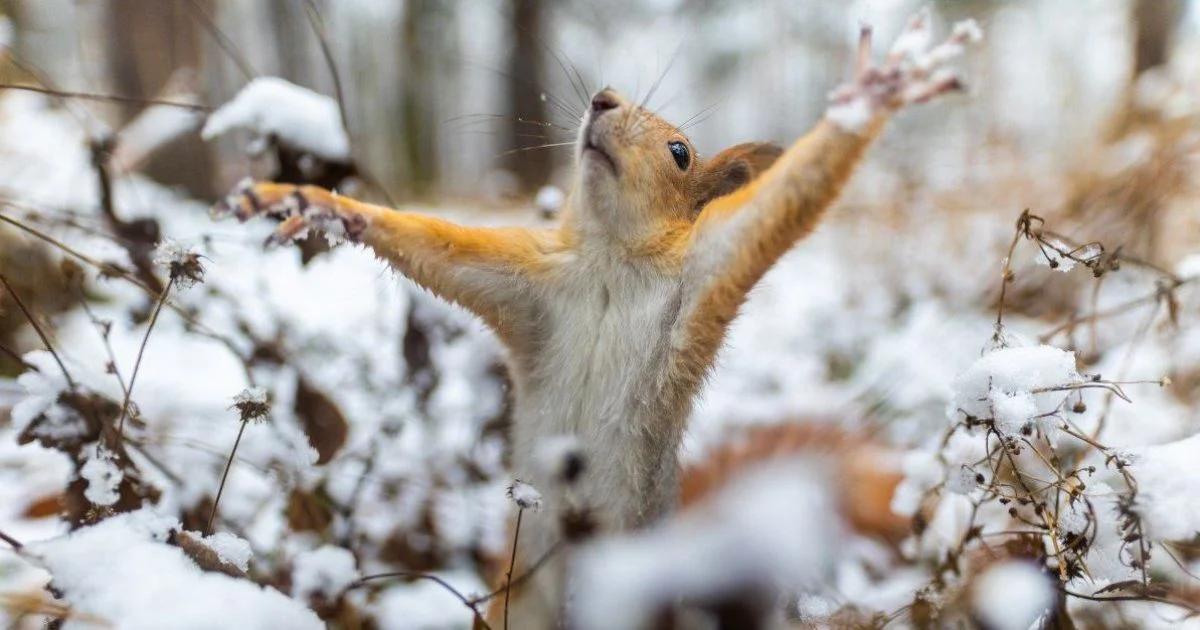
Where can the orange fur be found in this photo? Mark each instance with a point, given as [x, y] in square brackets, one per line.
[866, 472]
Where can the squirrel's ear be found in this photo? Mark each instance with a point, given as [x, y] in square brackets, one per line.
[733, 168]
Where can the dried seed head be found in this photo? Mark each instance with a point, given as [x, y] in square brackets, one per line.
[524, 495]
[252, 405]
[182, 263]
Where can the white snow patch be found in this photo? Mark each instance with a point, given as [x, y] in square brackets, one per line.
[43, 386]
[325, 571]
[298, 116]
[762, 529]
[549, 200]
[852, 115]
[103, 478]
[121, 570]
[1015, 385]
[1168, 484]
[1012, 596]
[230, 548]
[8, 33]
[425, 605]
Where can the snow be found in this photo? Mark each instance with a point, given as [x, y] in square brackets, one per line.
[43, 386]
[761, 530]
[1012, 596]
[1168, 485]
[325, 571]
[122, 571]
[549, 200]
[914, 41]
[852, 115]
[1014, 386]
[8, 33]
[230, 548]
[103, 477]
[1051, 256]
[299, 117]
[425, 605]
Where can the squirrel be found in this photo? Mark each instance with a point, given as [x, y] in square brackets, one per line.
[613, 319]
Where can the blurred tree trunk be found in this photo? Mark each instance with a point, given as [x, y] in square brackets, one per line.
[1154, 26]
[290, 35]
[420, 39]
[526, 74]
[1156, 22]
[150, 40]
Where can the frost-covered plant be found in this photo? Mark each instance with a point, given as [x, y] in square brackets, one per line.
[1022, 471]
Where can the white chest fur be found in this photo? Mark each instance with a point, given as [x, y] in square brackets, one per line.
[602, 351]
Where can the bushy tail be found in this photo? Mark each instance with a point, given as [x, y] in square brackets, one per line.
[866, 471]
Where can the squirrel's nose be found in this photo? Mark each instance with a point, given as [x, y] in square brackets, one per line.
[604, 100]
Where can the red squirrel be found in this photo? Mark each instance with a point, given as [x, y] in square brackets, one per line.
[612, 319]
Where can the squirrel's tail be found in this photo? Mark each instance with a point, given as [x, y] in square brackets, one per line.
[866, 470]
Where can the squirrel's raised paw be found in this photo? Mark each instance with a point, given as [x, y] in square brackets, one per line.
[302, 208]
[914, 71]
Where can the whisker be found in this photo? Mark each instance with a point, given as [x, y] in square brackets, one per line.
[580, 87]
[658, 82]
[554, 100]
[534, 148]
[467, 120]
[701, 115]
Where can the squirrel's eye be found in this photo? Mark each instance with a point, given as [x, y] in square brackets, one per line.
[679, 151]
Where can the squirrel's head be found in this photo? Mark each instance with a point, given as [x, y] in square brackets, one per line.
[635, 169]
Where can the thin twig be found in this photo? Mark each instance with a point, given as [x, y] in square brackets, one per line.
[13, 542]
[37, 327]
[112, 98]
[512, 564]
[138, 363]
[523, 577]
[225, 475]
[17, 357]
[413, 575]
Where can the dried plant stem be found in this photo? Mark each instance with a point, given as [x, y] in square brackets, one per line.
[413, 575]
[13, 542]
[105, 97]
[212, 515]
[37, 327]
[512, 564]
[137, 364]
[1006, 275]
[533, 568]
[12, 354]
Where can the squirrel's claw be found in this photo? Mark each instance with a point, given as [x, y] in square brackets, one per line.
[299, 211]
[913, 72]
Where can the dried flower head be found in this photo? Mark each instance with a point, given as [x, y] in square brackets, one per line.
[524, 495]
[182, 263]
[252, 404]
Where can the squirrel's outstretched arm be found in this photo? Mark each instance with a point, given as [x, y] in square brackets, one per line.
[737, 238]
[489, 271]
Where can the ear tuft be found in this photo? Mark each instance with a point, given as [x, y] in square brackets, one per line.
[733, 168]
